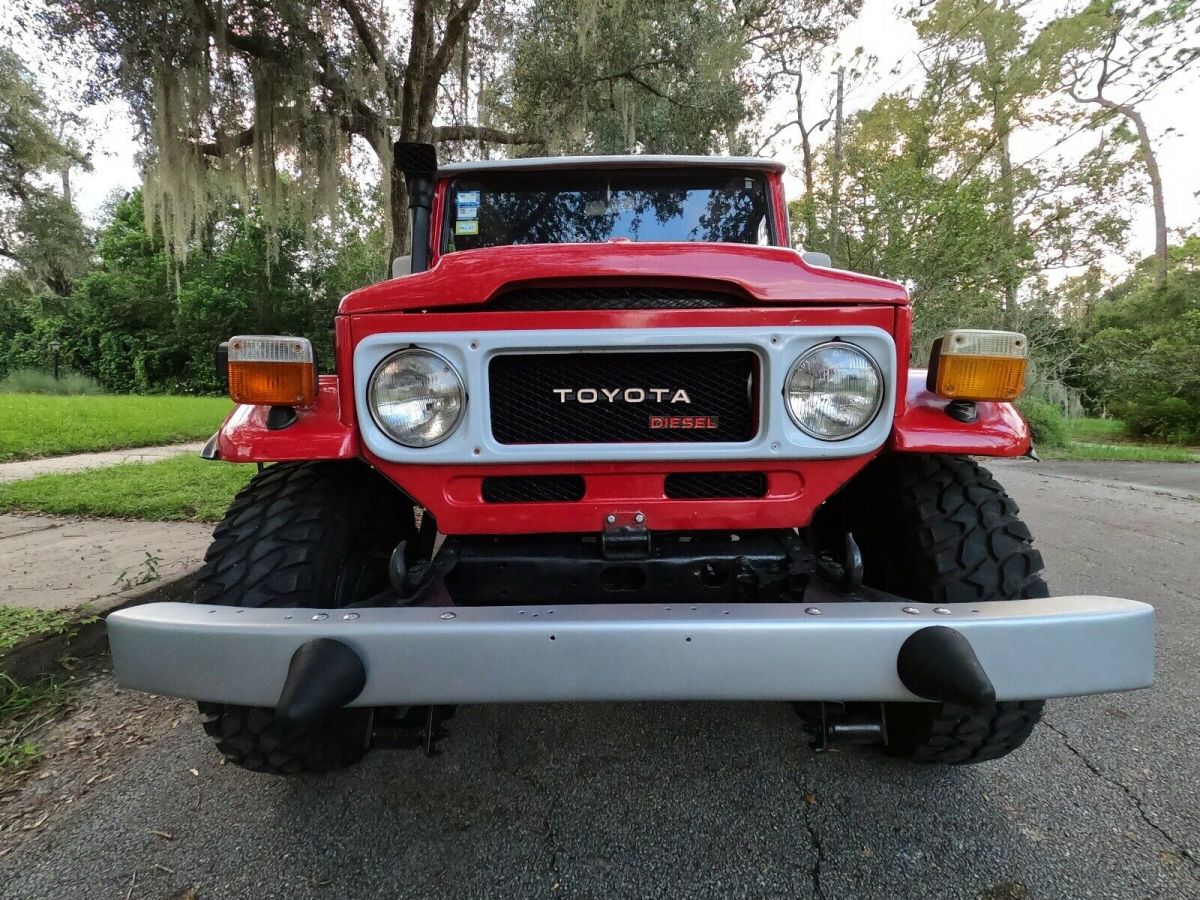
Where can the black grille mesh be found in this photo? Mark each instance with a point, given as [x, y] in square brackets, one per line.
[534, 299]
[715, 485]
[526, 410]
[532, 488]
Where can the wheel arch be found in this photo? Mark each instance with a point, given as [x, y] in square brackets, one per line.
[923, 425]
[326, 430]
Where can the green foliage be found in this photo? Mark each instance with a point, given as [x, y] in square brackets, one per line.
[145, 572]
[1046, 422]
[40, 425]
[1140, 354]
[1172, 419]
[660, 76]
[30, 381]
[183, 488]
[23, 708]
[19, 622]
[136, 326]
[928, 192]
[40, 231]
[662, 79]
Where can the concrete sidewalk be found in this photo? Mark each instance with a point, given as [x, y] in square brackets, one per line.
[60, 563]
[77, 462]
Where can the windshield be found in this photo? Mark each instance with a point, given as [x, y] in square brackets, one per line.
[501, 208]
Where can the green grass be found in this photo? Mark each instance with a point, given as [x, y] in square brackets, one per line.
[1093, 431]
[183, 488]
[39, 425]
[1121, 453]
[1106, 440]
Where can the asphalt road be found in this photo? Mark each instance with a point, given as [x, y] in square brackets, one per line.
[696, 800]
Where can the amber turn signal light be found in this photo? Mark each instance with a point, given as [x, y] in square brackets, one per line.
[272, 370]
[968, 364]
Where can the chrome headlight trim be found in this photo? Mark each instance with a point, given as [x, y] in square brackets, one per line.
[373, 402]
[880, 393]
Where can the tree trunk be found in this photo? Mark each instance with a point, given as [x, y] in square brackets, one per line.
[400, 223]
[810, 208]
[835, 213]
[1012, 278]
[1156, 187]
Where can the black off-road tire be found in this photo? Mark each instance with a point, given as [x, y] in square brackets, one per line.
[940, 529]
[300, 534]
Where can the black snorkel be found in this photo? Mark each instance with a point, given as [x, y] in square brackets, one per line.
[419, 164]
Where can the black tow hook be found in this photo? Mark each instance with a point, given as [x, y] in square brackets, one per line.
[323, 676]
[832, 723]
[939, 663]
[414, 728]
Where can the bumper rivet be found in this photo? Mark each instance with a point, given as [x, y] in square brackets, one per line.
[941, 610]
[610, 519]
[350, 616]
[912, 610]
[813, 611]
[320, 617]
[639, 518]
[446, 615]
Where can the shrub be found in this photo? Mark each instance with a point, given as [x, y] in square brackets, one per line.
[1045, 421]
[30, 381]
[1171, 419]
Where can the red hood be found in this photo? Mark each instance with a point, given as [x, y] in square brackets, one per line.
[764, 274]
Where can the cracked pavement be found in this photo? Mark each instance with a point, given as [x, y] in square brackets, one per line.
[653, 800]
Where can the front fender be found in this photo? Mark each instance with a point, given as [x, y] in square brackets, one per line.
[321, 431]
[924, 427]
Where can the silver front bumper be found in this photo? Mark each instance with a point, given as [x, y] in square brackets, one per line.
[1054, 647]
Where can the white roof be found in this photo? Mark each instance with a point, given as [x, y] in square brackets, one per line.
[631, 161]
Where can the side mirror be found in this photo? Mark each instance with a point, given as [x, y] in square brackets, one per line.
[401, 266]
[817, 258]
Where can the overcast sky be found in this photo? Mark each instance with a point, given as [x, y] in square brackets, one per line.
[880, 33]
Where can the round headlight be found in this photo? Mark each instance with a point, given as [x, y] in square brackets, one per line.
[416, 397]
[833, 391]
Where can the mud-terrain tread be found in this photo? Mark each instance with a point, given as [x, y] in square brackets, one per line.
[963, 734]
[280, 545]
[251, 738]
[941, 529]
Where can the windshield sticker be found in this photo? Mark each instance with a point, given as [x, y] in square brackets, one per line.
[467, 212]
[470, 226]
[467, 198]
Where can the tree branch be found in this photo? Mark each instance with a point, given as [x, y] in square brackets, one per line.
[363, 30]
[481, 133]
[774, 134]
[225, 143]
[455, 25]
[420, 37]
[436, 65]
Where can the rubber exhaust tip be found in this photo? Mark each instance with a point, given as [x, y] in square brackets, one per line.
[939, 663]
[323, 676]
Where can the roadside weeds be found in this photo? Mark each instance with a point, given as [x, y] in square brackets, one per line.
[53, 641]
[40, 655]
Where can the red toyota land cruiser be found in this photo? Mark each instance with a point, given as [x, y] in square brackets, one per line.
[606, 436]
